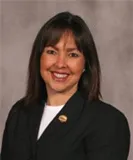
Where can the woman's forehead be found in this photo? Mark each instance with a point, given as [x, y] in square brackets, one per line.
[66, 40]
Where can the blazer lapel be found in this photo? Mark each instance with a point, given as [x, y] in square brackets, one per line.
[65, 119]
[34, 123]
[57, 128]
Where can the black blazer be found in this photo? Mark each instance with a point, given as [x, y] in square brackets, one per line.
[93, 131]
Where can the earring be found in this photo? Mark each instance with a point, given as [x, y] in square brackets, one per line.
[83, 70]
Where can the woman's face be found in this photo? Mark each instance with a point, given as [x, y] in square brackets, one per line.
[61, 66]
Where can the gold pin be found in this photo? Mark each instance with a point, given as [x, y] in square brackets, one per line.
[62, 118]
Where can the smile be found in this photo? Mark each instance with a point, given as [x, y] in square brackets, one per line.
[61, 77]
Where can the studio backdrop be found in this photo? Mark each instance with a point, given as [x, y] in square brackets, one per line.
[111, 23]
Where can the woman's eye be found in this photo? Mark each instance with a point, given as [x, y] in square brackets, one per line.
[74, 55]
[50, 51]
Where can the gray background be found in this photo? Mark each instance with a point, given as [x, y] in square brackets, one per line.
[111, 23]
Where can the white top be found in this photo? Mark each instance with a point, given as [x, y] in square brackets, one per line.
[49, 113]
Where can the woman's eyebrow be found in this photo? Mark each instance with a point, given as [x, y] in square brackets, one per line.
[71, 49]
[51, 46]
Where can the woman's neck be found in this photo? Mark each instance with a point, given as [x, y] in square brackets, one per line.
[56, 99]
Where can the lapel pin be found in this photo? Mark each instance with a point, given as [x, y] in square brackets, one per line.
[62, 118]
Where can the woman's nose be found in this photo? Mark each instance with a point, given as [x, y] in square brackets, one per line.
[61, 61]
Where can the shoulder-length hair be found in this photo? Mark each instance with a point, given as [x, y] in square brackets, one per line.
[50, 34]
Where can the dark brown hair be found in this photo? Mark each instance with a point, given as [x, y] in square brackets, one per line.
[50, 34]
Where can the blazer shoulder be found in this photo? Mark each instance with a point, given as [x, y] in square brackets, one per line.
[105, 111]
[15, 109]
[107, 131]
[103, 117]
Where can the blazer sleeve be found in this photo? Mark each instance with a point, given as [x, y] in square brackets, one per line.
[9, 132]
[109, 138]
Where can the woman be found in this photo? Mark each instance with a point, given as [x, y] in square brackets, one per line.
[61, 116]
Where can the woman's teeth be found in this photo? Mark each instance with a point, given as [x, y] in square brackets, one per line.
[58, 75]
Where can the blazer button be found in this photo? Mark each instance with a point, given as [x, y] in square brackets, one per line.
[62, 118]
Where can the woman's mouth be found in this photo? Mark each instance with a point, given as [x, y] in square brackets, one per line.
[59, 77]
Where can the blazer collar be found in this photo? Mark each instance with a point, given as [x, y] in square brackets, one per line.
[56, 129]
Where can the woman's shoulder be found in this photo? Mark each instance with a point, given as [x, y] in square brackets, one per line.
[17, 108]
[101, 117]
[21, 109]
[19, 115]
[21, 106]
[106, 126]
[105, 111]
